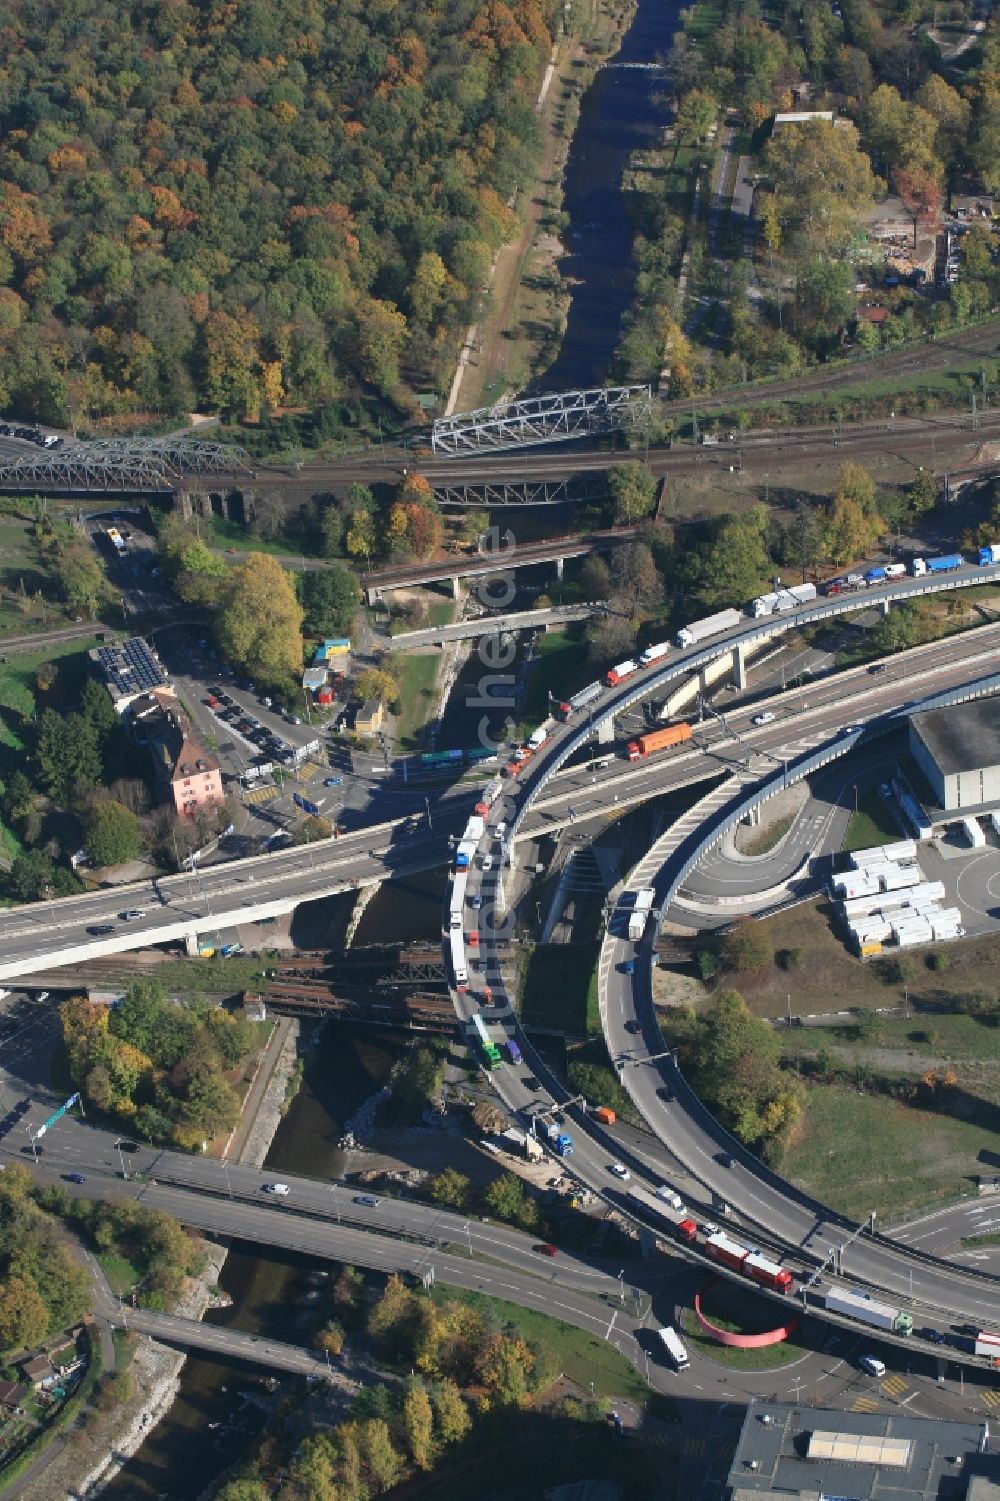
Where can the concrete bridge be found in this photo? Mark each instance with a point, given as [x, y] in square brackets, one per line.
[492, 625]
[506, 558]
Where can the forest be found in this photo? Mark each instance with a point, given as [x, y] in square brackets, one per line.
[206, 204]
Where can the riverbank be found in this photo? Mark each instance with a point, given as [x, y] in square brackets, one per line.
[524, 321]
[87, 1466]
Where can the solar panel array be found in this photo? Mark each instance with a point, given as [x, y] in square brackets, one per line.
[130, 667]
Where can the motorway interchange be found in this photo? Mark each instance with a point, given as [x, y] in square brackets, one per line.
[549, 794]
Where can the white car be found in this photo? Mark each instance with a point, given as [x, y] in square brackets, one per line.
[277, 1188]
[487, 862]
[620, 1171]
[673, 1199]
[767, 717]
[132, 914]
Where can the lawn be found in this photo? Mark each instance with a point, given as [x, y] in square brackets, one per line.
[873, 823]
[215, 976]
[564, 666]
[733, 1308]
[769, 838]
[17, 674]
[582, 1357]
[560, 989]
[24, 573]
[121, 1273]
[862, 1152]
[933, 1034]
[416, 674]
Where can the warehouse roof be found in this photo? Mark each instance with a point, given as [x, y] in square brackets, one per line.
[962, 738]
[800, 1452]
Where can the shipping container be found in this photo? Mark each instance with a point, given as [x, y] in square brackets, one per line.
[974, 832]
[711, 625]
[645, 745]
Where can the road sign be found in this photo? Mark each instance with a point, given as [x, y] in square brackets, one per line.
[73, 1100]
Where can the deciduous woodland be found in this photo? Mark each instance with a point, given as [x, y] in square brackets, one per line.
[236, 206]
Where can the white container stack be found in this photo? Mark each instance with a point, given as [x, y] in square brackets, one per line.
[885, 898]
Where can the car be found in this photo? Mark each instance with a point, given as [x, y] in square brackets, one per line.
[544, 1249]
[281, 1189]
[619, 1170]
[933, 1335]
[530, 1082]
[663, 1093]
[767, 717]
[872, 1366]
[473, 939]
[633, 1025]
[878, 667]
[266, 701]
[669, 1196]
[885, 790]
[332, 781]
[74, 1178]
[628, 968]
[99, 930]
[724, 1159]
[367, 1201]
[132, 914]
[212, 701]
[487, 862]
[708, 1228]
[475, 901]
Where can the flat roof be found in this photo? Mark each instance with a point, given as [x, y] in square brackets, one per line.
[129, 668]
[799, 1452]
[963, 738]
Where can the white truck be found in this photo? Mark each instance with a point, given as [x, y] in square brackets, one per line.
[711, 625]
[654, 653]
[782, 600]
[639, 914]
[858, 1305]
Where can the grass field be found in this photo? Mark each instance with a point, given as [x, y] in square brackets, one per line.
[582, 1357]
[560, 989]
[769, 838]
[121, 1273]
[416, 674]
[23, 574]
[862, 1152]
[564, 666]
[873, 823]
[962, 1039]
[733, 1309]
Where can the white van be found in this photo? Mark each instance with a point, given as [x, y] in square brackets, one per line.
[276, 1188]
[676, 1353]
[872, 1365]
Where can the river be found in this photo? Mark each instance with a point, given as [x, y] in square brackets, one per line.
[618, 115]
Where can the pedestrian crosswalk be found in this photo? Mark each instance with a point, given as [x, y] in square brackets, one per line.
[865, 1404]
[694, 1448]
[894, 1385]
[310, 769]
[257, 795]
[990, 1400]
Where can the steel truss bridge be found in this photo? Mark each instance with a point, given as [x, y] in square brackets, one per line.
[125, 464]
[576, 490]
[542, 419]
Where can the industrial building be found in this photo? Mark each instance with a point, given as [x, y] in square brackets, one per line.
[804, 1454]
[958, 751]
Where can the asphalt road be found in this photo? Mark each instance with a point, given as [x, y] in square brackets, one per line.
[53, 932]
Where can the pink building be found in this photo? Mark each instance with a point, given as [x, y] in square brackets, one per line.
[186, 773]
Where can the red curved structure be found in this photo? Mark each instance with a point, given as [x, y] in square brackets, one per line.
[741, 1341]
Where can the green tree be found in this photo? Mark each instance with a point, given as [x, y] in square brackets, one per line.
[139, 1018]
[451, 1187]
[732, 563]
[633, 491]
[260, 622]
[81, 579]
[66, 755]
[98, 711]
[381, 336]
[31, 875]
[111, 834]
[697, 112]
[823, 182]
[329, 597]
[505, 1368]
[507, 1199]
[923, 493]
[635, 579]
[384, 1464]
[898, 630]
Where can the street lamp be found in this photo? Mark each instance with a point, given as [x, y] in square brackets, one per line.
[121, 1155]
[225, 1169]
[336, 1201]
[467, 1227]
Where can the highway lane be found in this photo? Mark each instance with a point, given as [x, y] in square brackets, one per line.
[43, 933]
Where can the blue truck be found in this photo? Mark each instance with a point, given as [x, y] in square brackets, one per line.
[946, 564]
[559, 1142]
[989, 554]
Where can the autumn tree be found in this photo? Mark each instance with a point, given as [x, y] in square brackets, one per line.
[376, 682]
[451, 1187]
[260, 623]
[418, 1420]
[823, 181]
[450, 1412]
[633, 490]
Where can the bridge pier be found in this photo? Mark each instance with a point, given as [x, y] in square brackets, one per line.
[560, 564]
[456, 592]
[739, 667]
[191, 943]
[884, 606]
[606, 730]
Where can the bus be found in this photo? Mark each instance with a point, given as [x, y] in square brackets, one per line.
[676, 1353]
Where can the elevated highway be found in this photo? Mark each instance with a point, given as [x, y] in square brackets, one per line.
[42, 935]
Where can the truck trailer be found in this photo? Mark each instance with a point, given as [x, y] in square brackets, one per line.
[654, 653]
[781, 600]
[945, 564]
[711, 625]
[858, 1305]
[645, 745]
[639, 913]
[580, 701]
[623, 670]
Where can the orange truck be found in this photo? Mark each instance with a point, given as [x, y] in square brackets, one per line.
[605, 1115]
[674, 734]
